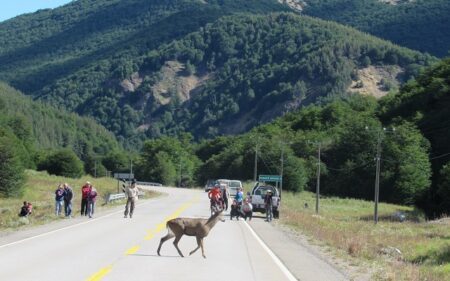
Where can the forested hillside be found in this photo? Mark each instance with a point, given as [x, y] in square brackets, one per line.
[51, 128]
[420, 24]
[34, 135]
[426, 103]
[106, 59]
[93, 41]
[251, 69]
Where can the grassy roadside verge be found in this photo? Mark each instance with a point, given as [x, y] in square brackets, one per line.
[346, 225]
[40, 191]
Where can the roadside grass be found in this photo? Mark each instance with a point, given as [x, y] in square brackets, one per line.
[347, 226]
[40, 191]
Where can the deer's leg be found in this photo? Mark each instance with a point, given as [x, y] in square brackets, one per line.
[203, 250]
[169, 235]
[175, 243]
[198, 246]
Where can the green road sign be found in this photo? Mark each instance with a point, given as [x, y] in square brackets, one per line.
[275, 178]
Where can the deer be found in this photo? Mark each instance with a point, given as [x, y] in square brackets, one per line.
[197, 227]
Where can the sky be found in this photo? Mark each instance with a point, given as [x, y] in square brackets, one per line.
[12, 8]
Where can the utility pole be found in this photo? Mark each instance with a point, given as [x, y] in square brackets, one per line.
[179, 181]
[378, 169]
[131, 170]
[377, 177]
[255, 170]
[95, 169]
[282, 168]
[318, 179]
[319, 147]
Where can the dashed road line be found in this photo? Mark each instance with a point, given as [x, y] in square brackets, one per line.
[100, 274]
[151, 233]
[132, 250]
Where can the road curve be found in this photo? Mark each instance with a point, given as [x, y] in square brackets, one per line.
[110, 247]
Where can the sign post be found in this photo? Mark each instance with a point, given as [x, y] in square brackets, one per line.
[122, 176]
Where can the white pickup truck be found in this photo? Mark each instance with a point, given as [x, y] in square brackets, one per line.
[259, 192]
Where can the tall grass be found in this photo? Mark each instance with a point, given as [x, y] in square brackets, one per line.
[347, 226]
[40, 191]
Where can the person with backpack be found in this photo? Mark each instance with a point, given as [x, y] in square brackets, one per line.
[68, 196]
[85, 191]
[91, 198]
[59, 199]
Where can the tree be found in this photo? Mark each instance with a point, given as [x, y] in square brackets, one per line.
[295, 175]
[164, 170]
[444, 188]
[11, 169]
[63, 162]
[116, 161]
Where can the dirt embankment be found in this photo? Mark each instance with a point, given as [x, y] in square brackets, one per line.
[376, 81]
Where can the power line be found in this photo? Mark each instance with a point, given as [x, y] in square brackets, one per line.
[351, 169]
[440, 156]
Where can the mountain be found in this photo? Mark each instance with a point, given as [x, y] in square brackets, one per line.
[138, 66]
[47, 127]
[93, 40]
[244, 70]
[417, 24]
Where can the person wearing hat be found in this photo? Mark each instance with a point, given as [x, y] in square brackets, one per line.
[85, 191]
[268, 203]
[132, 193]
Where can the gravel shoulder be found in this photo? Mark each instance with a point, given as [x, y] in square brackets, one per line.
[304, 260]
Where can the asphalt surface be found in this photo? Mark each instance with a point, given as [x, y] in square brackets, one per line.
[111, 247]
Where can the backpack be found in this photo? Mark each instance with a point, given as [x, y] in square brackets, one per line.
[68, 195]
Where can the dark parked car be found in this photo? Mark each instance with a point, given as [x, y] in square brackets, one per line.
[210, 184]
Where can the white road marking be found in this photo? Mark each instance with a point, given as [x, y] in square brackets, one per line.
[277, 261]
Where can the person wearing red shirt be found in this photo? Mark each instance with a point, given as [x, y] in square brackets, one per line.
[214, 196]
[85, 191]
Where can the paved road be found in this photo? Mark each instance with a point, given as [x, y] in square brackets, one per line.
[110, 247]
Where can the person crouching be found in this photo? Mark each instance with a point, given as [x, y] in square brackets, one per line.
[247, 209]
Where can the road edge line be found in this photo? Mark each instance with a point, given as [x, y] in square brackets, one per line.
[277, 261]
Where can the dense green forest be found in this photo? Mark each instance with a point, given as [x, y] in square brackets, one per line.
[35, 135]
[425, 102]
[347, 153]
[251, 76]
[51, 128]
[199, 86]
[420, 24]
[412, 126]
[261, 67]
[79, 56]
[98, 40]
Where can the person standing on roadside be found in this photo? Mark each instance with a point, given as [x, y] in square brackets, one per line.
[59, 199]
[132, 194]
[225, 196]
[268, 203]
[91, 198]
[68, 196]
[85, 191]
